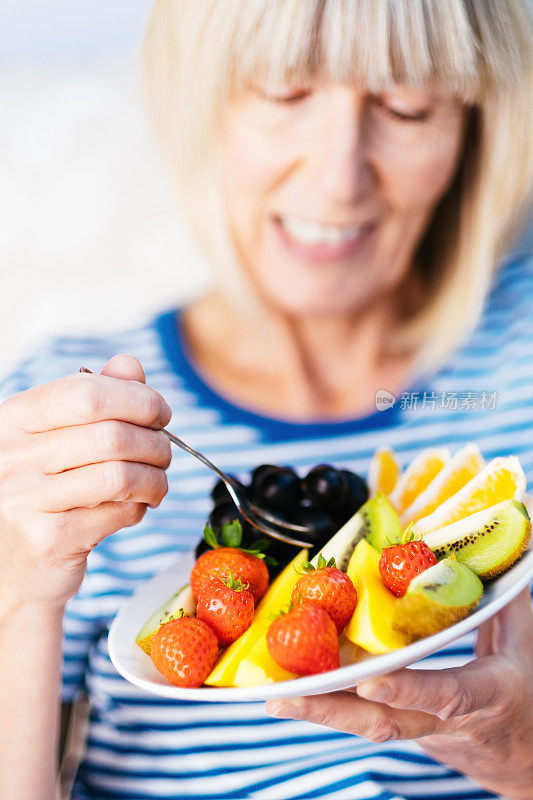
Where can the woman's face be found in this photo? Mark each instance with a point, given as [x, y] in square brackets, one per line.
[328, 189]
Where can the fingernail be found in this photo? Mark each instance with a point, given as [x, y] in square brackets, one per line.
[276, 708]
[372, 690]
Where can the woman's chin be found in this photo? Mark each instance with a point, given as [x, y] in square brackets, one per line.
[298, 301]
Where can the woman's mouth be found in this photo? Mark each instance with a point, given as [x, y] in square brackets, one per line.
[319, 242]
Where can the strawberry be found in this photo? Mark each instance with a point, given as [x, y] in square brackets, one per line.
[227, 607]
[327, 587]
[400, 563]
[184, 650]
[304, 640]
[218, 563]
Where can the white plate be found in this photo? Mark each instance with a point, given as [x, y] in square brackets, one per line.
[137, 667]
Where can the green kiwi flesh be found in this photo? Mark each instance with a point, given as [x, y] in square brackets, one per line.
[182, 599]
[382, 523]
[376, 520]
[437, 598]
[488, 542]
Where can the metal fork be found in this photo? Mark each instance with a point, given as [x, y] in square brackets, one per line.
[262, 520]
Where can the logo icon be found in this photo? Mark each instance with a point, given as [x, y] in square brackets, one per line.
[384, 400]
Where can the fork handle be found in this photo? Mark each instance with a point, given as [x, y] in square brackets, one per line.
[199, 456]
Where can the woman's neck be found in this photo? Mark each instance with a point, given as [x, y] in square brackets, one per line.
[296, 367]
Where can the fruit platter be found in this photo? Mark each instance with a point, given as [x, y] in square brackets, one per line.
[402, 565]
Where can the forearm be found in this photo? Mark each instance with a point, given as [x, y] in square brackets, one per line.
[30, 670]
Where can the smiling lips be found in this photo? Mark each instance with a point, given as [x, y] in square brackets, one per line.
[314, 241]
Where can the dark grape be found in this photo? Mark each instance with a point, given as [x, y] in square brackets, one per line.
[258, 473]
[357, 488]
[222, 513]
[283, 553]
[201, 548]
[356, 497]
[220, 494]
[322, 525]
[325, 486]
[324, 501]
[277, 489]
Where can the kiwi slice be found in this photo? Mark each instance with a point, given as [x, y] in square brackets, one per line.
[382, 523]
[435, 599]
[343, 543]
[182, 599]
[376, 521]
[488, 542]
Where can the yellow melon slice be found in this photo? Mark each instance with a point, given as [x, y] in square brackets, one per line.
[371, 624]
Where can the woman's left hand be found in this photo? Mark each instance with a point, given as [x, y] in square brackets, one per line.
[477, 719]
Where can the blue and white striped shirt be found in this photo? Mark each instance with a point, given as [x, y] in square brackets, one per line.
[141, 746]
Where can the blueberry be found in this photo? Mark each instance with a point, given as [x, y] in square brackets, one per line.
[325, 486]
[277, 489]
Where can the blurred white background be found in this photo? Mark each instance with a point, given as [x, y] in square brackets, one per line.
[90, 234]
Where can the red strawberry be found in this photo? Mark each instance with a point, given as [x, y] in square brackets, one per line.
[399, 564]
[304, 641]
[220, 562]
[185, 650]
[329, 588]
[227, 607]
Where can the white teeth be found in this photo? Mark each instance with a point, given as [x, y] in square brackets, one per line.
[307, 232]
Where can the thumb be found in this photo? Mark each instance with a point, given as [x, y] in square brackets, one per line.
[126, 367]
[444, 693]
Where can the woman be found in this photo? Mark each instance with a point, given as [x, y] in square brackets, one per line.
[354, 170]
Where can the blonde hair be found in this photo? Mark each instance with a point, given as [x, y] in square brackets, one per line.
[199, 52]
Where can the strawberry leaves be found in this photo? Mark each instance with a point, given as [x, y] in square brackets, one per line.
[321, 563]
[231, 536]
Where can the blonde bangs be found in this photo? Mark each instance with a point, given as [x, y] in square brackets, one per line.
[375, 44]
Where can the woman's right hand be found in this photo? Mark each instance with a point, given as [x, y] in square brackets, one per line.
[81, 457]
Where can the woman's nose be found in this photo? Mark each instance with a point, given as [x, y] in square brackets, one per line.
[342, 159]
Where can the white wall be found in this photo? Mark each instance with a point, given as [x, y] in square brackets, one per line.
[69, 31]
[91, 237]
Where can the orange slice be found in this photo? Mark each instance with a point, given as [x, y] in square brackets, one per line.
[461, 468]
[384, 471]
[502, 479]
[418, 476]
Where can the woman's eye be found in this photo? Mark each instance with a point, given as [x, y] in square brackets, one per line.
[285, 96]
[402, 115]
